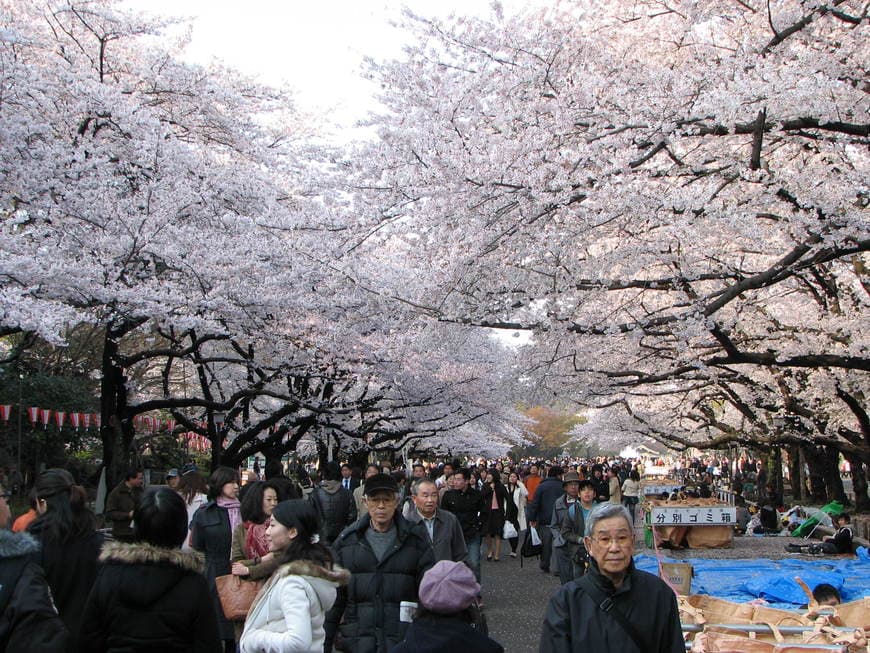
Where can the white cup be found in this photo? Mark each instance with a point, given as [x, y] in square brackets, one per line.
[406, 611]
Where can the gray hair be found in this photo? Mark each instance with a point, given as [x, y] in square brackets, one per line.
[606, 511]
[417, 482]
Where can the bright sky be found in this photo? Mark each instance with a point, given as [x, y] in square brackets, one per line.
[317, 47]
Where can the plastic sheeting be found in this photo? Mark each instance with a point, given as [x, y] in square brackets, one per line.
[772, 580]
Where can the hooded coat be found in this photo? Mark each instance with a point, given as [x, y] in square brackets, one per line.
[288, 614]
[148, 598]
[29, 622]
[575, 622]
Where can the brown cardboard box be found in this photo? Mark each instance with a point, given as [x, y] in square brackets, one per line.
[679, 576]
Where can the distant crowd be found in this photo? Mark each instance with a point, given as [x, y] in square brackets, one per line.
[374, 560]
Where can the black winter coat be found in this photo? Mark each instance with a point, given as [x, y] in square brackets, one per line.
[575, 622]
[470, 509]
[70, 568]
[437, 634]
[147, 598]
[368, 608]
[29, 622]
[211, 534]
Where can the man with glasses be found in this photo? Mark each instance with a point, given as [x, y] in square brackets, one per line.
[386, 556]
[28, 619]
[614, 607]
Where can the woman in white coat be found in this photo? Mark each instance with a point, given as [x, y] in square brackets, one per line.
[289, 612]
[519, 495]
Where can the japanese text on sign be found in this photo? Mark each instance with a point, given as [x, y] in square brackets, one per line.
[694, 516]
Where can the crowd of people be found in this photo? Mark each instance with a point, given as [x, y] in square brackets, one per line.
[364, 561]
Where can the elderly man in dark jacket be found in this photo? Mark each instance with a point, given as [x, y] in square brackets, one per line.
[387, 557]
[441, 526]
[28, 619]
[541, 510]
[614, 607]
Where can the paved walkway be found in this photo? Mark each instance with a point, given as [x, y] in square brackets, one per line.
[515, 600]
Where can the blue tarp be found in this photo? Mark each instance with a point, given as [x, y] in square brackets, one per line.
[773, 580]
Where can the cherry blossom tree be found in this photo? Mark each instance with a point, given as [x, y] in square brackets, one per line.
[672, 197]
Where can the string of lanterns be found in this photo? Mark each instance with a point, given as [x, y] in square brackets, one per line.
[86, 421]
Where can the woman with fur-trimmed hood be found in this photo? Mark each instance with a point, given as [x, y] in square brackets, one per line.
[29, 622]
[289, 612]
[150, 595]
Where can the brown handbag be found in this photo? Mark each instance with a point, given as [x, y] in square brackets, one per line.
[236, 595]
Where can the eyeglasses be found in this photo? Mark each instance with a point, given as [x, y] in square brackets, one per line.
[607, 540]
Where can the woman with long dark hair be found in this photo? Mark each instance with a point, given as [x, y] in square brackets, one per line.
[288, 614]
[515, 512]
[251, 557]
[496, 496]
[70, 544]
[212, 533]
[148, 595]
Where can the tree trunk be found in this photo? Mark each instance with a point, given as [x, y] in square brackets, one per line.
[272, 456]
[217, 451]
[795, 473]
[814, 457]
[836, 491]
[859, 484]
[113, 402]
[774, 470]
[322, 456]
[359, 460]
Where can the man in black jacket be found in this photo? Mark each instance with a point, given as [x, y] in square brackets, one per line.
[602, 485]
[467, 504]
[541, 510]
[29, 622]
[334, 504]
[387, 557]
[614, 607]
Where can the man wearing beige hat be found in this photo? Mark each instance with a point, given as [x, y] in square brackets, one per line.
[561, 548]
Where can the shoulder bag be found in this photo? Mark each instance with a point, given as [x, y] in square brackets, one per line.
[607, 606]
[237, 595]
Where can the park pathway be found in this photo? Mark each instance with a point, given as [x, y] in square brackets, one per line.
[515, 600]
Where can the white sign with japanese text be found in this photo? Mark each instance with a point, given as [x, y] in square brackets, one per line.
[656, 490]
[695, 516]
